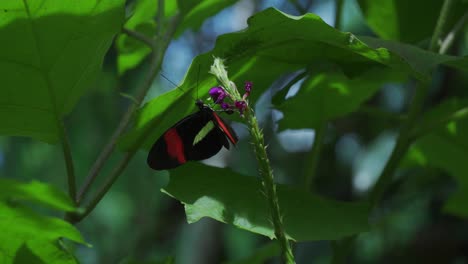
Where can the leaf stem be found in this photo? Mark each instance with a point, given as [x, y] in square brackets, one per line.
[155, 66]
[106, 152]
[127, 117]
[441, 22]
[338, 13]
[105, 188]
[449, 39]
[402, 144]
[139, 36]
[71, 178]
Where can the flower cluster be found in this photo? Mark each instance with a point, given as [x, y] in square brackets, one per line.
[219, 94]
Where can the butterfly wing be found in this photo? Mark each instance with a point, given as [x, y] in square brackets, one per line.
[226, 129]
[195, 137]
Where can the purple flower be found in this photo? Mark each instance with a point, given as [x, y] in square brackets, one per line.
[218, 94]
[225, 105]
[241, 106]
[248, 86]
[227, 108]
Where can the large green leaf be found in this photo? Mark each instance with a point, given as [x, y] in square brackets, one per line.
[326, 96]
[273, 44]
[27, 235]
[407, 21]
[228, 197]
[51, 52]
[445, 146]
[36, 192]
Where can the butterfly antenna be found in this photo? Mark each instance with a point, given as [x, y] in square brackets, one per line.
[167, 79]
[198, 78]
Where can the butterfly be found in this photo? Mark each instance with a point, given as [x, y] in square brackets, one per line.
[197, 136]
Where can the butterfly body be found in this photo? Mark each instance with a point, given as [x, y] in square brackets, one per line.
[198, 136]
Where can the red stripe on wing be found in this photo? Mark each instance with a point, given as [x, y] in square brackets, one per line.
[175, 146]
[226, 129]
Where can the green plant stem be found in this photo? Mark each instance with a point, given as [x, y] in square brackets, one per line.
[139, 36]
[441, 22]
[417, 132]
[269, 186]
[155, 66]
[127, 117]
[338, 13]
[450, 38]
[105, 188]
[404, 139]
[71, 179]
[109, 148]
[401, 146]
[314, 156]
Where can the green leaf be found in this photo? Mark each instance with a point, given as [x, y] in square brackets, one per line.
[327, 96]
[195, 12]
[43, 253]
[28, 237]
[441, 116]
[132, 52]
[51, 53]
[446, 147]
[274, 44]
[25, 255]
[36, 192]
[21, 227]
[228, 197]
[261, 255]
[421, 61]
[407, 21]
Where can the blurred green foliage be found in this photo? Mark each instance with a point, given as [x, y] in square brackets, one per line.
[65, 64]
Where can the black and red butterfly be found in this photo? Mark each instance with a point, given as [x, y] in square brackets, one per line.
[196, 137]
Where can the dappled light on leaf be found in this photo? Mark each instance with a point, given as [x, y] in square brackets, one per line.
[235, 199]
[46, 69]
